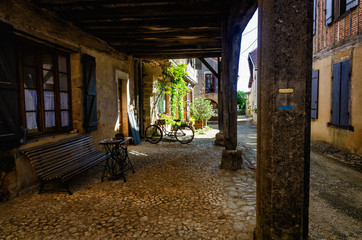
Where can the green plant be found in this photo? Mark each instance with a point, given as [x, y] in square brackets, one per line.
[200, 131]
[192, 120]
[177, 87]
[207, 128]
[201, 109]
[255, 110]
[241, 99]
[168, 117]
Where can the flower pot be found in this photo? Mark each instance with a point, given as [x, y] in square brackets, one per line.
[199, 124]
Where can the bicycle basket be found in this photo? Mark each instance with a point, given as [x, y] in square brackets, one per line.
[161, 122]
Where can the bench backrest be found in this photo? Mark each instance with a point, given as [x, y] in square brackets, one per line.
[63, 154]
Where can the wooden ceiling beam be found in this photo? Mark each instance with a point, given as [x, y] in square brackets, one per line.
[77, 3]
[194, 54]
[183, 11]
[199, 43]
[163, 22]
[154, 35]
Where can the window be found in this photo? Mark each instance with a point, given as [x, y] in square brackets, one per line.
[45, 89]
[195, 63]
[209, 83]
[336, 8]
[340, 94]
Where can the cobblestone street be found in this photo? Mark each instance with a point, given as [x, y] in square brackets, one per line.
[177, 192]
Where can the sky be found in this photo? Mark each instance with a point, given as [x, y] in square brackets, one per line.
[248, 44]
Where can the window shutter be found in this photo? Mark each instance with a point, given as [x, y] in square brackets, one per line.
[351, 4]
[10, 133]
[90, 93]
[329, 11]
[314, 14]
[198, 64]
[314, 98]
[336, 83]
[344, 103]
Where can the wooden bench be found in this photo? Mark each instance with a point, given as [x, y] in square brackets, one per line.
[64, 159]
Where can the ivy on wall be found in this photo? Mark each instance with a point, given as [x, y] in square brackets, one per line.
[176, 87]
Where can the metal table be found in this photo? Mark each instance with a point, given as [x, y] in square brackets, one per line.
[117, 162]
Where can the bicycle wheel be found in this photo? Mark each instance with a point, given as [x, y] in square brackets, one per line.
[153, 134]
[184, 134]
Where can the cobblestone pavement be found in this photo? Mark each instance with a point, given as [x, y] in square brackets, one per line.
[177, 192]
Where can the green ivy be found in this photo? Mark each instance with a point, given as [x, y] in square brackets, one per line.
[177, 87]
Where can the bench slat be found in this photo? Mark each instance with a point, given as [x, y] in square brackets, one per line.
[65, 158]
[65, 163]
[54, 144]
[59, 148]
[39, 161]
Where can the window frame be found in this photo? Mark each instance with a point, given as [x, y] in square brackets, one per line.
[213, 82]
[39, 50]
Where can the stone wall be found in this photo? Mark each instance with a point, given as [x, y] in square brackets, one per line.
[112, 68]
[151, 70]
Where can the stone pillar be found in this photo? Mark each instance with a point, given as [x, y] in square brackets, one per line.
[284, 76]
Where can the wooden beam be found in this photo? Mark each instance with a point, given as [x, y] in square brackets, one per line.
[177, 55]
[210, 67]
[152, 22]
[181, 12]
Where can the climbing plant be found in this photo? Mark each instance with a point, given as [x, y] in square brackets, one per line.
[176, 87]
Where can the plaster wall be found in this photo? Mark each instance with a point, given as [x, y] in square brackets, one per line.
[111, 67]
[343, 139]
[199, 88]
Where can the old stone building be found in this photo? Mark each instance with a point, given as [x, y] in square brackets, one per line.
[70, 64]
[55, 78]
[253, 83]
[208, 84]
[337, 82]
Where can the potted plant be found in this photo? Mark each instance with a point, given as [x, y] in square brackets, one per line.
[167, 118]
[201, 111]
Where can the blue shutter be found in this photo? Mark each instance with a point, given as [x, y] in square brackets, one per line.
[336, 83]
[10, 132]
[329, 11]
[314, 15]
[314, 98]
[90, 93]
[344, 102]
[351, 4]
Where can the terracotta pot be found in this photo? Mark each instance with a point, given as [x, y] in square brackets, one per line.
[199, 124]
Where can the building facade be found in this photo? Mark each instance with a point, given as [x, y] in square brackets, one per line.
[253, 84]
[337, 69]
[207, 85]
[55, 81]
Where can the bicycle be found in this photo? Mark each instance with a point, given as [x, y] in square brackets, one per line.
[182, 132]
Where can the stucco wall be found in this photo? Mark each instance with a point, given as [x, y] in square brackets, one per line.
[199, 88]
[41, 26]
[340, 138]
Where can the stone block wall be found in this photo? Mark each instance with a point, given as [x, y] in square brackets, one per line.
[111, 66]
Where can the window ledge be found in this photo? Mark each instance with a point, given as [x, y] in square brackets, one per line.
[349, 127]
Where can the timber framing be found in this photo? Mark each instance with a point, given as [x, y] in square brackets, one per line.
[153, 28]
